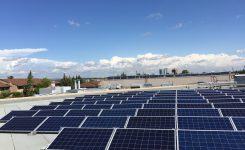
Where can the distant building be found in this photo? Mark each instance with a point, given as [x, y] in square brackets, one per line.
[163, 71]
[90, 84]
[16, 84]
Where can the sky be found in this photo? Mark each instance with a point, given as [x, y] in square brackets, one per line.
[99, 38]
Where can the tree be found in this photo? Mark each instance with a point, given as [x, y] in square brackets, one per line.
[45, 82]
[174, 71]
[28, 88]
[185, 71]
[10, 77]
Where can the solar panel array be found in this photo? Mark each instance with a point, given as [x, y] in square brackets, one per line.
[169, 119]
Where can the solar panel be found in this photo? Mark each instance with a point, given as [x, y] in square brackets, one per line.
[136, 139]
[60, 103]
[83, 112]
[43, 107]
[81, 103]
[105, 122]
[18, 113]
[224, 100]
[233, 112]
[51, 113]
[122, 106]
[56, 123]
[159, 106]
[85, 139]
[211, 140]
[70, 107]
[194, 106]
[156, 112]
[118, 112]
[152, 122]
[198, 112]
[107, 102]
[204, 123]
[97, 107]
[230, 105]
[161, 101]
[192, 101]
[21, 124]
[134, 102]
[239, 123]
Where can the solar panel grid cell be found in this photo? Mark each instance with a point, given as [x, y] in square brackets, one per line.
[152, 122]
[51, 113]
[85, 139]
[198, 112]
[105, 122]
[233, 112]
[22, 124]
[118, 112]
[136, 139]
[22, 113]
[83, 112]
[99, 106]
[204, 123]
[159, 105]
[156, 112]
[211, 140]
[56, 123]
[239, 123]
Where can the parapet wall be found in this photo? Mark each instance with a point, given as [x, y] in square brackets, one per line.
[174, 80]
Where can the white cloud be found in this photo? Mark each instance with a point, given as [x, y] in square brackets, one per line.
[239, 16]
[146, 34]
[241, 51]
[73, 23]
[178, 25]
[20, 52]
[155, 16]
[148, 63]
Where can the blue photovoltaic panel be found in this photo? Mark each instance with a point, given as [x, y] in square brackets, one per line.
[123, 106]
[159, 106]
[82, 139]
[198, 112]
[140, 139]
[156, 112]
[91, 112]
[233, 112]
[239, 123]
[192, 101]
[60, 103]
[51, 113]
[204, 123]
[47, 107]
[56, 123]
[105, 122]
[194, 106]
[161, 101]
[22, 124]
[224, 101]
[134, 102]
[107, 102]
[70, 107]
[118, 112]
[152, 122]
[97, 107]
[211, 140]
[230, 105]
[81, 103]
[18, 113]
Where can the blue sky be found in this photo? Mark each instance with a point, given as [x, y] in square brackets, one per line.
[90, 30]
